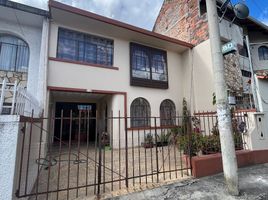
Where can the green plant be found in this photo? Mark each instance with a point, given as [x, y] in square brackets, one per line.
[148, 138]
[190, 144]
[185, 117]
[163, 137]
[211, 144]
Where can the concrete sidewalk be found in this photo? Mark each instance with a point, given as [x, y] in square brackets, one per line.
[253, 186]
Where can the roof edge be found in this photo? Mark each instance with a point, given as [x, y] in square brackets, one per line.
[61, 6]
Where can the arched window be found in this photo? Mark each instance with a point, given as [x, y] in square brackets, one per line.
[167, 113]
[263, 53]
[140, 113]
[14, 54]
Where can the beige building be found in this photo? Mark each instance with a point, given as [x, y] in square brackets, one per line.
[113, 67]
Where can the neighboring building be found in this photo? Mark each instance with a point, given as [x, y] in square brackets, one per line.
[23, 46]
[187, 20]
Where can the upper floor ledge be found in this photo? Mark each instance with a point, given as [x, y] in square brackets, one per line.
[83, 63]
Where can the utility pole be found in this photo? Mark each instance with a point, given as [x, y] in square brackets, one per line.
[223, 111]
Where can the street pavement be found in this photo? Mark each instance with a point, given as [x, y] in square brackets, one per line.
[253, 184]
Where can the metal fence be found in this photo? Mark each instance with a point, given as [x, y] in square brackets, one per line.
[81, 154]
[15, 100]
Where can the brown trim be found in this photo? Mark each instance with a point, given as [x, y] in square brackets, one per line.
[30, 119]
[64, 89]
[113, 22]
[83, 63]
[114, 92]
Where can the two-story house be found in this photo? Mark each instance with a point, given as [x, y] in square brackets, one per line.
[105, 65]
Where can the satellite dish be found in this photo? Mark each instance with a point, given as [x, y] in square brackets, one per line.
[241, 11]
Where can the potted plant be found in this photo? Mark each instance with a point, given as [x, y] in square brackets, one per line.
[148, 141]
[163, 139]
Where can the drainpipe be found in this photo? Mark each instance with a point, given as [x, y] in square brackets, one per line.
[253, 78]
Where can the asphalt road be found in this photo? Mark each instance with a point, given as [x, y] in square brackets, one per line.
[253, 184]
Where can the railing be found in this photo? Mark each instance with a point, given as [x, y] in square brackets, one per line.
[15, 100]
[82, 154]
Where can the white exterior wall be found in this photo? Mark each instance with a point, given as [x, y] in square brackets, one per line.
[257, 63]
[203, 77]
[68, 75]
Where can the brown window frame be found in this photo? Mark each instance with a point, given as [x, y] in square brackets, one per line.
[143, 82]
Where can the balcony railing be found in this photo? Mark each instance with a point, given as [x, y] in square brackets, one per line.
[15, 100]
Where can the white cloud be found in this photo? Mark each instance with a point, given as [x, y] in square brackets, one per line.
[139, 13]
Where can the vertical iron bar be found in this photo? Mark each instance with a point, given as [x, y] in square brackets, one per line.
[133, 168]
[151, 151]
[53, 118]
[112, 152]
[103, 164]
[139, 155]
[69, 152]
[156, 151]
[145, 154]
[21, 158]
[126, 146]
[59, 165]
[29, 149]
[96, 146]
[39, 154]
[119, 119]
[99, 166]
[88, 121]
[78, 151]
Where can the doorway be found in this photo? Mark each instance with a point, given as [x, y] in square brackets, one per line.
[81, 125]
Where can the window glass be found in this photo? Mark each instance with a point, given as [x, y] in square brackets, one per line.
[167, 113]
[140, 113]
[87, 48]
[14, 54]
[263, 53]
[148, 66]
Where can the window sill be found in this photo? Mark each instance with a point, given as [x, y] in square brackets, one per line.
[83, 63]
[148, 83]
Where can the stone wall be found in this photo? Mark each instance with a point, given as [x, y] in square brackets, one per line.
[11, 77]
[182, 20]
[233, 75]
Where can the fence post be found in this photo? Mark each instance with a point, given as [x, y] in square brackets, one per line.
[2, 98]
[156, 150]
[14, 97]
[126, 146]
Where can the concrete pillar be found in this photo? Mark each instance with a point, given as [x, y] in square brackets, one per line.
[9, 130]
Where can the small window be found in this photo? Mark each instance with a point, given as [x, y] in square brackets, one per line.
[148, 67]
[202, 7]
[86, 48]
[263, 53]
[246, 73]
[167, 113]
[243, 51]
[140, 113]
[14, 54]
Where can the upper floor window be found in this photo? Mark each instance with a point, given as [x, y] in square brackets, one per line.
[140, 113]
[76, 46]
[14, 54]
[167, 113]
[263, 53]
[148, 66]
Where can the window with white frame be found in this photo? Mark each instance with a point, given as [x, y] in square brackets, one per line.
[140, 113]
[14, 54]
[76, 46]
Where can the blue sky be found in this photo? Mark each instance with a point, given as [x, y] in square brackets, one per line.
[141, 13]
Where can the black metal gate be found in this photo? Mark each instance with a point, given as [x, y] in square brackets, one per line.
[56, 166]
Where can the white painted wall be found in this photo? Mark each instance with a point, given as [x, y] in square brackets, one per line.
[33, 32]
[9, 127]
[91, 78]
[257, 63]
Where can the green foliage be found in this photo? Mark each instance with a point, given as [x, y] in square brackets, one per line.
[148, 138]
[214, 99]
[163, 137]
[190, 144]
